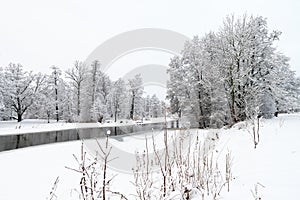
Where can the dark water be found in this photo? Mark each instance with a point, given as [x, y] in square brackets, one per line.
[9, 142]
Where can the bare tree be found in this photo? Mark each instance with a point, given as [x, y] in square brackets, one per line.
[77, 75]
[117, 96]
[56, 73]
[136, 91]
[21, 88]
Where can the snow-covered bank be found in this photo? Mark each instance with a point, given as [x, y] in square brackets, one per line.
[274, 165]
[36, 125]
[32, 126]
[30, 173]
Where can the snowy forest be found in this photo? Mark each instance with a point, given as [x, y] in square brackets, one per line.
[221, 78]
[233, 74]
[80, 94]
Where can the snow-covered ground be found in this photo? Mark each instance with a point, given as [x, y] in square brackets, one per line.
[274, 166]
[32, 125]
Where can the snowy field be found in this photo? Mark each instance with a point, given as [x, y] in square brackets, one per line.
[273, 167]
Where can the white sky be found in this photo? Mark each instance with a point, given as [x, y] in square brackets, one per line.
[39, 34]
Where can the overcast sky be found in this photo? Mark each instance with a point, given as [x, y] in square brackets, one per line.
[39, 34]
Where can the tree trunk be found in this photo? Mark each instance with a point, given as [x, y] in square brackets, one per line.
[19, 117]
[56, 99]
[201, 119]
[232, 109]
[78, 100]
[48, 116]
[132, 106]
[19, 109]
[233, 115]
[116, 121]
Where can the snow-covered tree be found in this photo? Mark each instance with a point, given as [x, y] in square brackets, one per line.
[67, 101]
[103, 89]
[49, 102]
[177, 93]
[117, 98]
[285, 86]
[232, 75]
[101, 86]
[217, 94]
[190, 84]
[95, 89]
[136, 90]
[157, 109]
[43, 106]
[2, 106]
[247, 50]
[153, 106]
[147, 106]
[76, 76]
[55, 79]
[88, 91]
[54, 100]
[20, 89]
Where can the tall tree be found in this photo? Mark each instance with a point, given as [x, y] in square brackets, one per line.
[157, 109]
[96, 88]
[177, 92]
[117, 97]
[103, 89]
[136, 91]
[55, 76]
[95, 71]
[2, 106]
[43, 106]
[192, 86]
[21, 88]
[76, 76]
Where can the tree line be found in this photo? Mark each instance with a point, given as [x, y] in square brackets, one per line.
[224, 77]
[80, 94]
[233, 74]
